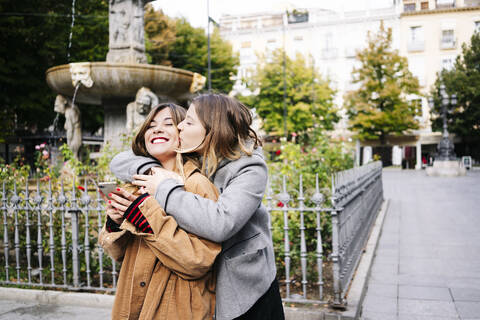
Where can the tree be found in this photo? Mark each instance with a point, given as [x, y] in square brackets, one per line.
[464, 81]
[309, 97]
[174, 42]
[160, 33]
[379, 107]
[34, 37]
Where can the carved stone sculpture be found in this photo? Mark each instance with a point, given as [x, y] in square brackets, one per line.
[73, 124]
[137, 110]
[198, 82]
[81, 73]
[127, 43]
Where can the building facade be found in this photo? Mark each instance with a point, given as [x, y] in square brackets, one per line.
[428, 32]
[432, 33]
[327, 38]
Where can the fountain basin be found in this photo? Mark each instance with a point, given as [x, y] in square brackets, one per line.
[122, 80]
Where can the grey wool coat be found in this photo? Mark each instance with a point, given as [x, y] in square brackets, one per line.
[238, 220]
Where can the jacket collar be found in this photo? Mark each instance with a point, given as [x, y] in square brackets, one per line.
[189, 168]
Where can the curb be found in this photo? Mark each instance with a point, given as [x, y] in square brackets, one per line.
[93, 300]
[358, 286]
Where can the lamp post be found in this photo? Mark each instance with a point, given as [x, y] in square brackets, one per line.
[208, 49]
[285, 113]
[445, 148]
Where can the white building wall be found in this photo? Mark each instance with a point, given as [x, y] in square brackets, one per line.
[330, 37]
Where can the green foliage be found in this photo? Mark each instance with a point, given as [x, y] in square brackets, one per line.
[174, 42]
[309, 97]
[379, 107]
[463, 80]
[18, 171]
[34, 37]
[320, 156]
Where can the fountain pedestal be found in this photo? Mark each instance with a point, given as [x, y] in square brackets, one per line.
[446, 163]
[446, 168]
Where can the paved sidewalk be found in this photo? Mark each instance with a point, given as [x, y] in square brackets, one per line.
[427, 264]
[15, 310]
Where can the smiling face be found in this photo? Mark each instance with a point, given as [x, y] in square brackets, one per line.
[192, 132]
[161, 137]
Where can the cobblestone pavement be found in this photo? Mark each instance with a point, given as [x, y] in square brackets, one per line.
[427, 264]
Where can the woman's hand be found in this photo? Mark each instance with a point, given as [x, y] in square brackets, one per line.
[150, 182]
[119, 201]
[114, 214]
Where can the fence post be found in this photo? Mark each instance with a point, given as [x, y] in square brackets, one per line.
[284, 198]
[335, 250]
[75, 249]
[318, 198]
[6, 244]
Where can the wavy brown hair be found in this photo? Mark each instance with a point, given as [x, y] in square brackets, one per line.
[228, 133]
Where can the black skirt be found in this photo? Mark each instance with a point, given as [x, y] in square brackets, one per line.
[268, 307]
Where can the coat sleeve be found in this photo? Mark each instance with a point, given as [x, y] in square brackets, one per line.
[114, 243]
[126, 164]
[218, 221]
[185, 254]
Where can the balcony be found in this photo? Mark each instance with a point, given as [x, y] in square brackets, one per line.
[446, 44]
[329, 53]
[416, 46]
[350, 52]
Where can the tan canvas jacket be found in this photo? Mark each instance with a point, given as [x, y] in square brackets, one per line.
[167, 274]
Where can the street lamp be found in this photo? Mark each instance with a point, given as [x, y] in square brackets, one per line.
[209, 67]
[285, 113]
[445, 147]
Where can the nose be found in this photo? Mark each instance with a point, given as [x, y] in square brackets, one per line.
[180, 126]
[157, 129]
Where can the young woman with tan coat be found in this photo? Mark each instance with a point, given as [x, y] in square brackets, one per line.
[166, 272]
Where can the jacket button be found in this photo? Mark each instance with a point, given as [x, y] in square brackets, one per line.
[142, 284]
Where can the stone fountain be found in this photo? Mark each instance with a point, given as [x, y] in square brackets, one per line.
[114, 84]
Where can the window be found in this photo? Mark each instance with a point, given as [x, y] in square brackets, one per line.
[416, 41]
[477, 26]
[472, 3]
[417, 68]
[408, 7]
[416, 34]
[424, 5]
[445, 3]
[448, 62]
[448, 39]
[329, 51]
[328, 41]
[447, 35]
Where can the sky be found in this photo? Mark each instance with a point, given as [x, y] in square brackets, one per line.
[196, 10]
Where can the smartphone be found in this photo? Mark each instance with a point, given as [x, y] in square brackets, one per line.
[107, 187]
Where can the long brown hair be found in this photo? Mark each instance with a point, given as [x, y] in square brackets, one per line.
[228, 133]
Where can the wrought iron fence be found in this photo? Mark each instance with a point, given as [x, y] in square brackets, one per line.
[65, 252]
[355, 199]
[67, 219]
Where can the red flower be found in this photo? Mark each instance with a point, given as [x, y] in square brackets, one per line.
[278, 152]
[280, 204]
[81, 188]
